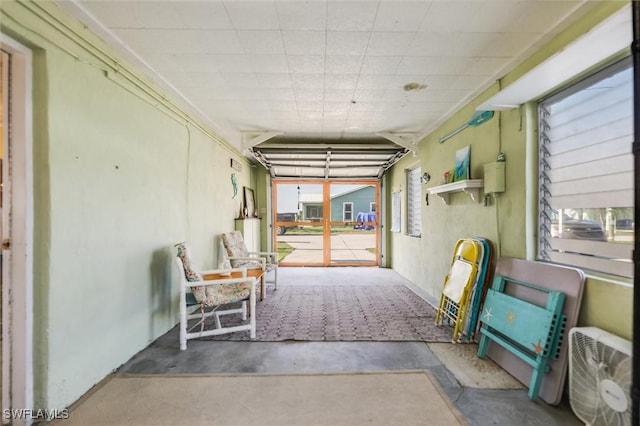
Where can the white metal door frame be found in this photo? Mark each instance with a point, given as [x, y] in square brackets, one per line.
[17, 247]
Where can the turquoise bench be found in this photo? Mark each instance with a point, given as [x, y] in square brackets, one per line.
[532, 333]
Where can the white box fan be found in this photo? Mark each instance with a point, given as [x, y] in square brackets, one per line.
[599, 377]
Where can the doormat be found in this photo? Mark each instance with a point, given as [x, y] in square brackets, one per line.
[341, 313]
[400, 398]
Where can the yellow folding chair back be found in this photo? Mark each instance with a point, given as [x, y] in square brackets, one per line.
[468, 250]
[456, 290]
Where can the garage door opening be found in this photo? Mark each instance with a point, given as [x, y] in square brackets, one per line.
[326, 223]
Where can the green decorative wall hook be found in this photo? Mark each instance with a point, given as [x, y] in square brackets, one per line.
[234, 184]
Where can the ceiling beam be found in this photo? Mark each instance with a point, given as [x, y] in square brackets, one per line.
[253, 138]
[408, 140]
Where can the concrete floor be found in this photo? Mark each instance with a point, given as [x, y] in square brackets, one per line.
[481, 398]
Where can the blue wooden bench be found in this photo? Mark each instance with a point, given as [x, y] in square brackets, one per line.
[532, 333]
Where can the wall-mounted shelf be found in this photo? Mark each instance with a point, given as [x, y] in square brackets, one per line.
[470, 186]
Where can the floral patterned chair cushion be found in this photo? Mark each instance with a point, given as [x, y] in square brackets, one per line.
[190, 271]
[211, 295]
[233, 244]
[215, 295]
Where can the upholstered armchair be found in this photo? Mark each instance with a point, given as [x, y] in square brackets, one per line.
[206, 292]
[234, 249]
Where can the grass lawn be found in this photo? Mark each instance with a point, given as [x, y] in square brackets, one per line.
[284, 250]
[317, 230]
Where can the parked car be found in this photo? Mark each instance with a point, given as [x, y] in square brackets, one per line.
[285, 217]
[577, 229]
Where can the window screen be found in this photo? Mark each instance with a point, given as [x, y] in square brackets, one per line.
[586, 173]
[347, 212]
[414, 205]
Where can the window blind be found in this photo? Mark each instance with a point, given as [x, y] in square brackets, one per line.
[414, 205]
[586, 173]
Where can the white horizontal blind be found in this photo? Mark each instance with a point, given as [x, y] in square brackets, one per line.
[586, 173]
[414, 205]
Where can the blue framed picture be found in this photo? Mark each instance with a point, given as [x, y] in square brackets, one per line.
[463, 163]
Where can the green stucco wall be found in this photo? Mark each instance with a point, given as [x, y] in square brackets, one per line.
[509, 221]
[118, 179]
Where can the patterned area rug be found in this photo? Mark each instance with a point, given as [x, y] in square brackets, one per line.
[342, 313]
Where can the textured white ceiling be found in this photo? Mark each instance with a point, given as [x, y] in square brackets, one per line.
[324, 69]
